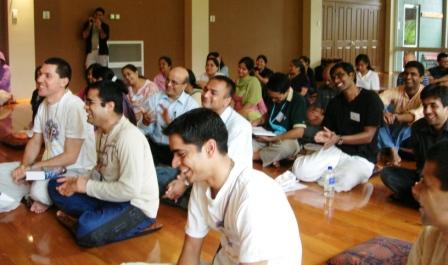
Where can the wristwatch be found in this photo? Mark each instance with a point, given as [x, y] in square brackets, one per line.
[340, 140]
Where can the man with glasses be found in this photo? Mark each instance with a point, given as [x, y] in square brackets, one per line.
[163, 107]
[350, 134]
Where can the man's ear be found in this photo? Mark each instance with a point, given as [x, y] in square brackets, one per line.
[110, 105]
[210, 147]
[64, 82]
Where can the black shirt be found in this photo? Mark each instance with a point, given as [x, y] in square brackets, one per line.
[423, 136]
[293, 112]
[348, 118]
[324, 94]
[300, 81]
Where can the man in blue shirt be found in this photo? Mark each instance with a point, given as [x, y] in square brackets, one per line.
[163, 107]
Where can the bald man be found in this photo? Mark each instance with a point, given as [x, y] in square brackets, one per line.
[163, 107]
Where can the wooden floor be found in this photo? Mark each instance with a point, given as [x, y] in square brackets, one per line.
[359, 215]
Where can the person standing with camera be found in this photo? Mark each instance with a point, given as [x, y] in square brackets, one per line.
[96, 34]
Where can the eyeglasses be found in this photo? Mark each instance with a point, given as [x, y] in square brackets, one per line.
[338, 75]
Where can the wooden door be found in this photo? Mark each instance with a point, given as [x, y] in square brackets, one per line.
[4, 28]
[351, 28]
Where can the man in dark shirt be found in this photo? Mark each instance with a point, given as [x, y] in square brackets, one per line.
[285, 117]
[351, 122]
[425, 133]
[439, 74]
[96, 34]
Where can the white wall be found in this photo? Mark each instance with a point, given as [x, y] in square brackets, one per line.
[21, 48]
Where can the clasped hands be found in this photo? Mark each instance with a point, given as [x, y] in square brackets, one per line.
[327, 137]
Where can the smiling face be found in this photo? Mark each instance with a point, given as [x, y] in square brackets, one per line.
[431, 198]
[130, 76]
[164, 67]
[261, 64]
[215, 96]
[191, 162]
[435, 113]
[242, 70]
[96, 110]
[211, 68]
[49, 82]
[342, 80]
[412, 78]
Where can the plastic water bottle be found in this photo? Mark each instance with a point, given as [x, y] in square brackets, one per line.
[330, 183]
[55, 172]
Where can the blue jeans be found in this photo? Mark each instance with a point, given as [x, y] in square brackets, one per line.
[100, 222]
[400, 181]
[165, 175]
[393, 135]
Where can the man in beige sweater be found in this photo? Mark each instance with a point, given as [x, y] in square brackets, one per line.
[431, 192]
[120, 198]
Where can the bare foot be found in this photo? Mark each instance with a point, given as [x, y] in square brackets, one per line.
[38, 207]
[396, 159]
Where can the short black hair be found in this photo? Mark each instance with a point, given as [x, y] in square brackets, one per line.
[347, 67]
[230, 85]
[167, 60]
[438, 153]
[441, 55]
[306, 59]
[278, 82]
[103, 73]
[37, 72]
[100, 9]
[415, 64]
[435, 91]
[262, 56]
[297, 63]
[62, 67]
[110, 91]
[199, 125]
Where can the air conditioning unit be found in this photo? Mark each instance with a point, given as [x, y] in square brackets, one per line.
[122, 53]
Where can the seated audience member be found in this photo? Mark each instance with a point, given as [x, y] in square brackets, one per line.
[261, 71]
[439, 74]
[424, 133]
[193, 88]
[431, 192]
[61, 126]
[248, 96]
[285, 118]
[120, 197]
[350, 130]
[217, 96]
[89, 79]
[326, 89]
[366, 77]
[402, 108]
[165, 65]
[211, 70]
[223, 69]
[314, 118]
[305, 60]
[5, 74]
[161, 109]
[299, 79]
[140, 89]
[36, 100]
[227, 195]
[407, 57]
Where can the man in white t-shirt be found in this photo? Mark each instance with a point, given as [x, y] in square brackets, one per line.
[431, 192]
[216, 96]
[61, 125]
[227, 196]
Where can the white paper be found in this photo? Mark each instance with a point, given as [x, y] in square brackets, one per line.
[289, 182]
[260, 131]
[35, 175]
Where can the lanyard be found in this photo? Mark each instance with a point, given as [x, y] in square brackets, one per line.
[278, 129]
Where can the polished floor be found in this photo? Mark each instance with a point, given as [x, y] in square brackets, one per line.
[358, 215]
